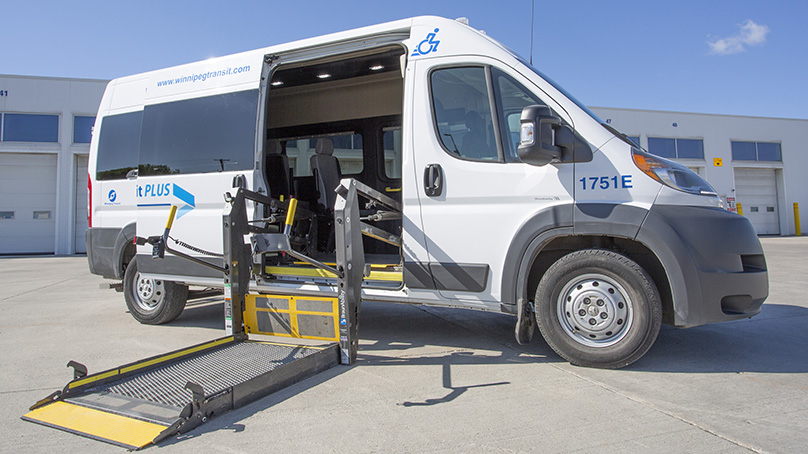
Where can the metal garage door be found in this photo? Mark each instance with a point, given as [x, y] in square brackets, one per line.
[81, 204]
[27, 203]
[756, 190]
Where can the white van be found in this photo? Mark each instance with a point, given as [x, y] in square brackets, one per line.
[516, 197]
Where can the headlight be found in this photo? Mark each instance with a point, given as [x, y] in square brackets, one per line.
[671, 174]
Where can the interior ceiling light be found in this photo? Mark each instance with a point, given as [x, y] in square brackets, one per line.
[323, 76]
[276, 83]
[377, 67]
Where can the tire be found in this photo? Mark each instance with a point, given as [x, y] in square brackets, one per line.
[598, 308]
[152, 301]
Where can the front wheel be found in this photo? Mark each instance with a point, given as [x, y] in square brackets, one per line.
[598, 308]
[152, 301]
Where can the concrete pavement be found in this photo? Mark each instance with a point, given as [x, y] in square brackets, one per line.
[431, 379]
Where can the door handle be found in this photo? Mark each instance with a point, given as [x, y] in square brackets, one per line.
[433, 180]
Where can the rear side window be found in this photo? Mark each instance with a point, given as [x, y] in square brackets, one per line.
[118, 145]
[392, 152]
[201, 135]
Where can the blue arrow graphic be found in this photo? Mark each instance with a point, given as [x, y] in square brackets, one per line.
[185, 196]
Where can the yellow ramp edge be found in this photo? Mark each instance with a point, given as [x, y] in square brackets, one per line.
[100, 425]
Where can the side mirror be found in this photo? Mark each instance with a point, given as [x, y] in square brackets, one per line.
[544, 137]
[537, 135]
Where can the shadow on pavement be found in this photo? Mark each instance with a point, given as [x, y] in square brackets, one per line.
[399, 335]
[202, 313]
[230, 421]
[775, 341]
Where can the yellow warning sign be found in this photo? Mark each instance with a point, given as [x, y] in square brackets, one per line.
[718, 162]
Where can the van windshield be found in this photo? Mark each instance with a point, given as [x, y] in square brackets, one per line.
[561, 89]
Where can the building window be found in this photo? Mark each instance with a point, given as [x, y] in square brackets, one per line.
[30, 128]
[756, 151]
[82, 128]
[676, 148]
[665, 148]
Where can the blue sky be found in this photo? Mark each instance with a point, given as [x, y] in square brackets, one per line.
[727, 57]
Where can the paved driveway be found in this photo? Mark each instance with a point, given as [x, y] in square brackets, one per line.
[433, 380]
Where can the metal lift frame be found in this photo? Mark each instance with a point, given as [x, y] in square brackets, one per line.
[239, 258]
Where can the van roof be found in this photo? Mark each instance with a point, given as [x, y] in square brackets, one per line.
[398, 26]
[421, 35]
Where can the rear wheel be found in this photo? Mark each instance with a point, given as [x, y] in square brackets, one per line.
[152, 301]
[598, 308]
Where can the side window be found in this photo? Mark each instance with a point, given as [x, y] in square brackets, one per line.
[463, 114]
[512, 97]
[391, 139]
[347, 150]
[200, 135]
[118, 146]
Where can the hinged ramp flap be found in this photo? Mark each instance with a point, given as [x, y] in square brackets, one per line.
[100, 425]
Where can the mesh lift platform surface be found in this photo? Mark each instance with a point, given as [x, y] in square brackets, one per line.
[144, 402]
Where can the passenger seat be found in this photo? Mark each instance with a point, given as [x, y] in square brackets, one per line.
[327, 174]
[277, 170]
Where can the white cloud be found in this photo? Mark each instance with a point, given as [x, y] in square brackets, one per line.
[750, 34]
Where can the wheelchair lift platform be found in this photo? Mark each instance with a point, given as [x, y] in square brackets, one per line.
[147, 401]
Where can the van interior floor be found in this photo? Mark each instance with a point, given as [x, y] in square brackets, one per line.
[385, 270]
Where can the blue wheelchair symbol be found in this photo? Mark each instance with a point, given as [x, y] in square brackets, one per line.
[428, 45]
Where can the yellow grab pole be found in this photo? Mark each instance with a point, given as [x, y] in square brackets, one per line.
[797, 219]
[740, 208]
[290, 215]
[170, 221]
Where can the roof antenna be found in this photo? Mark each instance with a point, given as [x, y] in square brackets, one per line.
[532, 13]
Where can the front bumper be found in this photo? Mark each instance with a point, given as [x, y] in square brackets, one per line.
[713, 260]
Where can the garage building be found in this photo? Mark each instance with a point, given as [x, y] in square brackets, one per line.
[46, 123]
[45, 129]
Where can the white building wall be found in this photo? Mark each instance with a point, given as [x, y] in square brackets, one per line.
[66, 98]
[717, 132]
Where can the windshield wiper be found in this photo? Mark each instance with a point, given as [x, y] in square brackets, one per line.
[620, 135]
